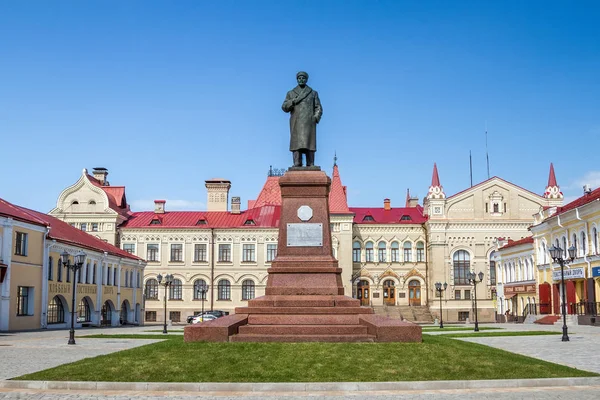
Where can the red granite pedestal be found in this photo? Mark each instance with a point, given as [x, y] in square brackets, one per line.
[304, 300]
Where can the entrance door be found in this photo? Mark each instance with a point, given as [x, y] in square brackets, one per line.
[545, 298]
[389, 293]
[363, 292]
[106, 314]
[414, 293]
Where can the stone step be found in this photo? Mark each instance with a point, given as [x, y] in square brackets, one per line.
[303, 330]
[304, 301]
[303, 310]
[302, 338]
[323, 319]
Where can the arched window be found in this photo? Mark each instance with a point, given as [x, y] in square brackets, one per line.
[381, 252]
[59, 270]
[595, 240]
[462, 266]
[583, 246]
[92, 203]
[356, 252]
[420, 252]
[565, 247]
[395, 252]
[56, 312]
[50, 268]
[492, 268]
[83, 311]
[198, 292]
[224, 290]
[369, 252]
[175, 290]
[574, 243]
[152, 289]
[248, 289]
[407, 252]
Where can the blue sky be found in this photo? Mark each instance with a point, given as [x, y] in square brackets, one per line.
[168, 94]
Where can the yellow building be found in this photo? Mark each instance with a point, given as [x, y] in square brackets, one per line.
[37, 288]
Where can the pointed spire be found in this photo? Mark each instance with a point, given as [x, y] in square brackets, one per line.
[552, 177]
[435, 179]
[335, 158]
[338, 203]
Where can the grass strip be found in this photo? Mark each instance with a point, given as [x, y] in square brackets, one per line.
[436, 358]
[452, 329]
[129, 336]
[496, 334]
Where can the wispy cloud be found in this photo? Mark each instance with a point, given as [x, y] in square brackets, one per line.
[591, 178]
[171, 205]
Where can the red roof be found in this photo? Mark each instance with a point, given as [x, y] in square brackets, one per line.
[435, 179]
[552, 177]
[61, 231]
[270, 193]
[116, 196]
[585, 199]
[266, 216]
[338, 202]
[513, 243]
[392, 216]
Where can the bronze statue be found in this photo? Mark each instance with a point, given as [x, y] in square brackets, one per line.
[305, 113]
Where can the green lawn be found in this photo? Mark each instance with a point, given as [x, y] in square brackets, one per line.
[454, 328]
[173, 360]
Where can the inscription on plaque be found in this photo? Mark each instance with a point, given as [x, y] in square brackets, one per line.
[304, 235]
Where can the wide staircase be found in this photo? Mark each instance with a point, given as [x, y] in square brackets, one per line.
[547, 320]
[416, 314]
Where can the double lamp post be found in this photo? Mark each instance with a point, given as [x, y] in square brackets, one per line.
[168, 281]
[78, 260]
[556, 253]
[473, 280]
[441, 288]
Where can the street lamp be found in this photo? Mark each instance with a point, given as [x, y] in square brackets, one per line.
[441, 288]
[167, 282]
[473, 279]
[202, 289]
[556, 254]
[78, 260]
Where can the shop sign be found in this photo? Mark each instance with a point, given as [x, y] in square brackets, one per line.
[570, 273]
[519, 289]
[596, 271]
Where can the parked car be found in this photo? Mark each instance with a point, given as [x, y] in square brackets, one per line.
[216, 313]
[203, 318]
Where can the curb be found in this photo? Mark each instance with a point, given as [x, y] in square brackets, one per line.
[282, 387]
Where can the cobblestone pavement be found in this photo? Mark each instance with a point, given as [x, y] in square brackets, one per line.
[560, 392]
[26, 352]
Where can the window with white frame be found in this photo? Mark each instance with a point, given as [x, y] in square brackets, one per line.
[271, 251]
[200, 252]
[25, 302]
[248, 252]
[381, 252]
[595, 240]
[84, 226]
[225, 252]
[369, 252]
[407, 251]
[175, 290]
[94, 227]
[420, 252]
[152, 252]
[21, 244]
[583, 244]
[462, 266]
[248, 289]
[224, 290]
[129, 247]
[356, 252]
[151, 289]
[177, 252]
[395, 252]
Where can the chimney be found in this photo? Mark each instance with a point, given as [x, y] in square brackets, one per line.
[159, 206]
[100, 175]
[218, 194]
[386, 204]
[587, 189]
[235, 205]
[413, 201]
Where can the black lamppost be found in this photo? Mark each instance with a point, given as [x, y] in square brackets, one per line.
[473, 279]
[441, 288]
[78, 260]
[202, 289]
[167, 282]
[556, 254]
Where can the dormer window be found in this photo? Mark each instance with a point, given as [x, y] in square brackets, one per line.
[249, 221]
[496, 203]
[405, 218]
[155, 221]
[201, 221]
[368, 218]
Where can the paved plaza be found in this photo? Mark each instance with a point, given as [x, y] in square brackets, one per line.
[27, 352]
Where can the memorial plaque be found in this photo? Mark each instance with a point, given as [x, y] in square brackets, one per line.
[304, 235]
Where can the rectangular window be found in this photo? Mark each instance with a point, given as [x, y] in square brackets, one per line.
[84, 226]
[129, 247]
[420, 255]
[199, 252]
[177, 252]
[151, 316]
[152, 252]
[94, 274]
[381, 255]
[224, 253]
[457, 295]
[94, 227]
[248, 253]
[24, 301]
[59, 271]
[50, 269]
[115, 282]
[493, 272]
[395, 255]
[461, 272]
[356, 254]
[271, 251]
[21, 244]
[108, 276]
[467, 295]
[175, 316]
[407, 255]
[68, 272]
[78, 273]
[369, 254]
[463, 315]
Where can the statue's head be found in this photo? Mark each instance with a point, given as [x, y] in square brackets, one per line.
[302, 78]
